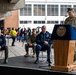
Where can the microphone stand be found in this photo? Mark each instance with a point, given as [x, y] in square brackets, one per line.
[49, 65]
[63, 19]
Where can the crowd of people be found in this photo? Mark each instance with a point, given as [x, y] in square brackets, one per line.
[37, 40]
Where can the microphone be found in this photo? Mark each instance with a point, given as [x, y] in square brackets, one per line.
[63, 20]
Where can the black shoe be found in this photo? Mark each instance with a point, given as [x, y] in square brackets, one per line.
[36, 62]
[13, 45]
[5, 61]
[48, 60]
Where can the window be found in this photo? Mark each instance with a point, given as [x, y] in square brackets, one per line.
[21, 12]
[52, 22]
[63, 9]
[26, 11]
[25, 22]
[21, 22]
[52, 10]
[39, 10]
[61, 22]
[39, 22]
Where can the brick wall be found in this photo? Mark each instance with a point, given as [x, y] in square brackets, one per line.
[12, 21]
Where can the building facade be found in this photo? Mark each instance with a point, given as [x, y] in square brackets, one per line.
[10, 21]
[44, 12]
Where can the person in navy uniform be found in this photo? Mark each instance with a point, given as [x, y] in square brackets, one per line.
[43, 41]
[3, 47]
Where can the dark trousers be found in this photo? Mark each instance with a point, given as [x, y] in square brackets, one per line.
[41, 48]
[5, 48]
[27, 48]
[13, 41]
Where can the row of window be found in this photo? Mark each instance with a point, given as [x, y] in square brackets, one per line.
[40, 22]
[40, 10]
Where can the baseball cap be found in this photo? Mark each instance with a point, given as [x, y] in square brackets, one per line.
[70, 9]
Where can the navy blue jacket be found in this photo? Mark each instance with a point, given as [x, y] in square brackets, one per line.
[2, 40]
[41, 37]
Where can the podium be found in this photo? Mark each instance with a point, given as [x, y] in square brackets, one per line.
[64, 37]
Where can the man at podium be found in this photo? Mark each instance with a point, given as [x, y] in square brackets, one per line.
[64, 37]
[71, 19]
